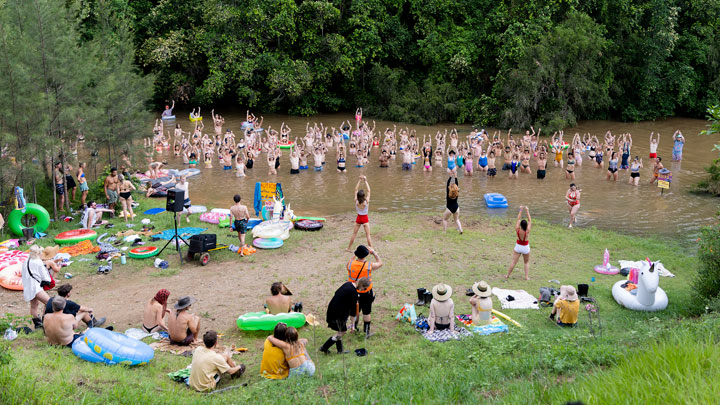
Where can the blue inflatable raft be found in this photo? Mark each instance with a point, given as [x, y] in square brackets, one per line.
[496, 200]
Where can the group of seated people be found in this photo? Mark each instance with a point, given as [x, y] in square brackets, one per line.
[62, 317]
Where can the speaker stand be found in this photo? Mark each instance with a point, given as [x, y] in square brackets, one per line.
[176, 238]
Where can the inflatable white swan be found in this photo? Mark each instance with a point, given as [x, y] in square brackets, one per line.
[649, 296]
[275, 228]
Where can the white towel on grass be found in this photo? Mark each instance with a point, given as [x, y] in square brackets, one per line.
[522, 300]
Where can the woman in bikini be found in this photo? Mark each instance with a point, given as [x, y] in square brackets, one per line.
[522, 245]
[451, 204]
[362, 205]
[635, 171]
[125, 197]
[295, 352]
[613, 167]
[155, 311]
[573, 200]
[570, 169]
[84, 188]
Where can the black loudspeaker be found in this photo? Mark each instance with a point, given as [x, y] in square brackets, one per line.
[175, 199]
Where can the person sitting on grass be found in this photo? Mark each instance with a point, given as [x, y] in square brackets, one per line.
[72, 308]
[295, 353]
[183, 326]
[341, 306]
[442, 309]
[208, 365]
[273, 365]
[60, 327]
[155, 311]
[93, 216]
[279, 302]
[566, 307]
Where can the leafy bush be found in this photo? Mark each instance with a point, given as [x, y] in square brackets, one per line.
[707, 281]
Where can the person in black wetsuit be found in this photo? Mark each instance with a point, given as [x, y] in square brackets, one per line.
[451, 205]
[342, 305]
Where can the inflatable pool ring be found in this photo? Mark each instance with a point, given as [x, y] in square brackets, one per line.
[224, 221]
[11, 277]
[263, 321]
[495, 200]
[221, 211]
[168, 117]
[258, 130]
[142, 252]
[307, 225]
[246, 125]
[195, 119]
[286, 145]
[212, 217]
[345, 136]
[12, 257]
[197, 209]
[611, 270]
[269, 229]
[185, 172]
[253, 222]
[565, 145]
[115, 347]
[310, 219]
[16, 216]
[267, 243]
[81, 350]
[75, 236]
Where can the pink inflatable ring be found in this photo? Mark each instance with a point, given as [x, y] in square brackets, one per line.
[607, 270]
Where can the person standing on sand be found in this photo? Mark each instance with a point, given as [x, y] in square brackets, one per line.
[241, 216]
[362, 205]
[522, 245]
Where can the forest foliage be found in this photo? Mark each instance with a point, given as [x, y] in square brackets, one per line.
[502, 63]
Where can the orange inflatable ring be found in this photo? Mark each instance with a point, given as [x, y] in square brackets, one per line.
[11, 277]
[142, 252]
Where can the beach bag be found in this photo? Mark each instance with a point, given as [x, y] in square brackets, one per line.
[407, 314]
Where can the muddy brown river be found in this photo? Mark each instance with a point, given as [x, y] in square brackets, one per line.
[617, 206]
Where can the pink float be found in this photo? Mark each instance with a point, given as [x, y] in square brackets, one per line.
[606, 268]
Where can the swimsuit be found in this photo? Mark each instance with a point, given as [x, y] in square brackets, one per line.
[492, 172]
[612, 165]
[522, 246]
[294, 171]
[362, 213]
[482, 161]
[573, 197]
[149, 330]
[240, 225]
[541, 174]
[451, 203]
[126, 195]
[635, 171]
[513, 167]
[451, 163]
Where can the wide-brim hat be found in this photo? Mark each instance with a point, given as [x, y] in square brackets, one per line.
[482, 289]
[442, 292]
[184, 302]
[49, 252]
[568, 293]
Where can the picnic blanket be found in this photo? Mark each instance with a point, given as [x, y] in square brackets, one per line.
[439, 335]
[164, 345]
[81, 248]
[639, 264]
[183, 232]
[495, 326]
[140, 334]
[522, 300]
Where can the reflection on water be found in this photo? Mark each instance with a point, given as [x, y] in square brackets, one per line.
[608, 205]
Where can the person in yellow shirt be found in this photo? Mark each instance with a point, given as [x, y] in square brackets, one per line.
[273, 365]
[566, 307]
[208, 365]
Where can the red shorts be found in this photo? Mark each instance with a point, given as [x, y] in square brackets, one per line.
[653, 155]
[362, 219]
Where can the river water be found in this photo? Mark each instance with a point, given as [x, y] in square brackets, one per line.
[617, 206]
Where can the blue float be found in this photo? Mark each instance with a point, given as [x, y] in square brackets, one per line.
[252, 222]
[81, 349]
[116, 348]
[496, 200]
[268, 243]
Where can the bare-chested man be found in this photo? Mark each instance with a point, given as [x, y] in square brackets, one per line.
[279, 301]
[59, 327]
[240, 216]
[60, 185]
[112, 182]
[183, 326]
[657, 166]
[154, 313]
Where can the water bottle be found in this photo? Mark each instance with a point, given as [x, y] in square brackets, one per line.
[123, 260]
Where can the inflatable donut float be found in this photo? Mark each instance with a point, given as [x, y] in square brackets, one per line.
[11, 277]
[283, 145]
[213, 217]
[263, 321]
[611, 270]
[267, 243]
[142, 252]
[16, 216]
[113, 348]
[12, 257]
[75, 236]
[308, 225]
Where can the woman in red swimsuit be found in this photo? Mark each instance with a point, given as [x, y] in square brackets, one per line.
[573, 199]
[522, 245]
[362, 204]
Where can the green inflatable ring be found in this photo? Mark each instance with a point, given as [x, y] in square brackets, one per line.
[16, 216]
[263, 321]
[142, 252]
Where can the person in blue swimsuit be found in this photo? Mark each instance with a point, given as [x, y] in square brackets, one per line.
[452, 163]
[514, 167]
[482, 160]
[678, 144]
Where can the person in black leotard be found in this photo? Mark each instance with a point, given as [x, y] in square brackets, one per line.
[451, 204]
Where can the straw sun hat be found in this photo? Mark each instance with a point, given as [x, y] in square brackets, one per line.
[442, 292]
